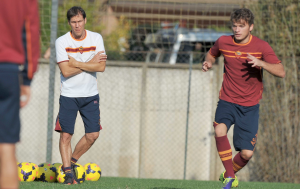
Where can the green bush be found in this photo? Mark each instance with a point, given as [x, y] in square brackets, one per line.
[112, 42]
[277, 153]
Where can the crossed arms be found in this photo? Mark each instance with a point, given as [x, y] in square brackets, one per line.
[74, 67]
[274, 69]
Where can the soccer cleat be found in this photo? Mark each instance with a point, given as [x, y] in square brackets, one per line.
[235, 182]
[73, 166]
[75, 182]
[68, 179]
[228, 183]
[221, 178]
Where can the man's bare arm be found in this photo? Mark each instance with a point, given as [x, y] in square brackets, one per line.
[91, 66]
[274, 69]
[207, 64]
[69, 69]
[96, 64]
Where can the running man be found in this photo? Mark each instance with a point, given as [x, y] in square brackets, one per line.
[80, 54]
[19, 44]
[245, 57]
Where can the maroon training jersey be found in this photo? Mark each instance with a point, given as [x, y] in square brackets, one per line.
[242, 84]
[20, 19]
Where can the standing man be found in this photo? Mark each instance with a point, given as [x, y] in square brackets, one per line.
[80, 54]
[245, 57]
[19, 44]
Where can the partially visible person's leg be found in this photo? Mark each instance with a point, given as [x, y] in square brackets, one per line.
[65, 149]
[9, 124]
[65, 124]
[8, 164]
[224, 149]
[223, 120]
[84, 145]
[245, 138]
[241, 159]
[90, 113]
[66, 154]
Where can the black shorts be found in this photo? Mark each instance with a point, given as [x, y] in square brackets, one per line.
[88, 108]
[245, 120]
[9, 103]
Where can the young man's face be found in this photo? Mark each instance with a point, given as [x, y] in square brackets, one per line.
[241, 31]
[77, 24]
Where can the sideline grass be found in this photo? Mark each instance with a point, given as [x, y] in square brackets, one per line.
[130, 183]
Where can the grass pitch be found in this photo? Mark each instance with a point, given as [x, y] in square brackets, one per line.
[130, 183]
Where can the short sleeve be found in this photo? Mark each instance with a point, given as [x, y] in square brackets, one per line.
[269, 55]
[214, 51]
[61, 53]
[100, 44]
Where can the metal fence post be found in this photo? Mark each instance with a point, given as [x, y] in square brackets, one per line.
[52, 64]
[142, 119]
[187, 115]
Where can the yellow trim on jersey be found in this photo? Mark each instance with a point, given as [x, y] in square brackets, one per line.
[242, 44]
[79, 39]
[239, 57]
[241, 52]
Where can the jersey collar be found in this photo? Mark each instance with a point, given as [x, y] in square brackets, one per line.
[242, 44]
[79, 39]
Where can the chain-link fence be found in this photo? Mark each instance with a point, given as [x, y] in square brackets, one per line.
[157, 107]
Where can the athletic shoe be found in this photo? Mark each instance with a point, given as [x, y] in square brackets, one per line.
[74, 174]
[235, 182]
[228, 183]
[68, 179]
[221, 178]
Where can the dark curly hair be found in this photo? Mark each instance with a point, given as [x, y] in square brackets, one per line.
[242, 14]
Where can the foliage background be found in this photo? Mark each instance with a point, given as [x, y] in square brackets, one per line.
[277, 152]
[92, 9]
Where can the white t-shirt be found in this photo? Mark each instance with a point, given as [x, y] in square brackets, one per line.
[85, 83]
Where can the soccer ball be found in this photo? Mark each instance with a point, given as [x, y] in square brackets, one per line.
[46, 173]
[60, 174]
[35, 169]
[25, 172]
[93, 172]
[80, 173]
[55, 167]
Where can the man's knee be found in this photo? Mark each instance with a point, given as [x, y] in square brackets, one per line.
[65, 137]
[247, 154]
[92, 137]
[220, 130]
[7, 150]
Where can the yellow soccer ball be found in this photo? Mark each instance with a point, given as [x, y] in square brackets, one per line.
[80, 173]
[35, 169]
[25, 172]
[46, 173]
[93, 172]
[60, 174]
[56, 165]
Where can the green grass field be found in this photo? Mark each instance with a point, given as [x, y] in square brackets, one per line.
[130, 183]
